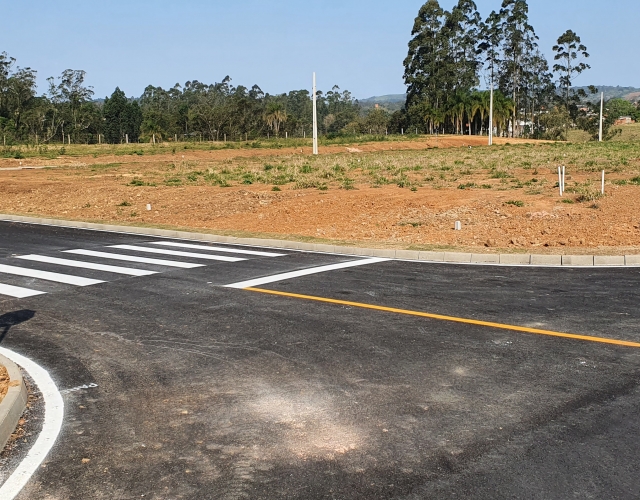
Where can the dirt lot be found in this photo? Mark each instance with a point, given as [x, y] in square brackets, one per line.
[404, 194]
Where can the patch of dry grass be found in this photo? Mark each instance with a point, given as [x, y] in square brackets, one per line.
[530, 168]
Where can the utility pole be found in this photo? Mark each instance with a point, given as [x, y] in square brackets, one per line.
[601, 116]
[491, 116]
[315, 118]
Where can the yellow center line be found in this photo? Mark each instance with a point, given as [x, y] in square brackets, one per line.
[449, 318]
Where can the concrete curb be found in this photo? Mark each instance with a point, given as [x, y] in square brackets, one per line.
[14, 403]
[425, 256]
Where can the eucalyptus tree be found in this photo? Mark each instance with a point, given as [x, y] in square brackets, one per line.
[425, 64]
[540, 89]
[21, 94]
[570, 54]
[341, 107]
[158, 115]
[519, 42]
[490, 45]
[72, 100]
[300, 110]
[462, 29]
[6, 63]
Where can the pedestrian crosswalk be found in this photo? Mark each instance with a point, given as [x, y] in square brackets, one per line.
[129, 260]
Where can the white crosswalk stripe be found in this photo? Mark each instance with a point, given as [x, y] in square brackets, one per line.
[87, 265]
[133, 258]
[191, 255]
[176, 249]
[217, 249]
[45, 275]
[17, 291]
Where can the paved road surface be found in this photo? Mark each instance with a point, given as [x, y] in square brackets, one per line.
[200, 391]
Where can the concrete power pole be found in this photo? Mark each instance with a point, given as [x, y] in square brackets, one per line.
[315, 118]
[601, 116]
[491, 117]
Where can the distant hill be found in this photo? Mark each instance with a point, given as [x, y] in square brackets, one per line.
[391, 102]
[394, 102]
[628, 93]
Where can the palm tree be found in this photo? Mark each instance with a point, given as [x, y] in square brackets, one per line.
[481, 105]
[503, 109]
[275, 116]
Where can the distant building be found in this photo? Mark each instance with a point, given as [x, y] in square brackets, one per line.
[625, 120]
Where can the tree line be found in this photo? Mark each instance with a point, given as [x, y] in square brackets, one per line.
[452, 53]
[67, 112]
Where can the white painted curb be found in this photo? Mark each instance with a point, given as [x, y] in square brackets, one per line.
[53, 417]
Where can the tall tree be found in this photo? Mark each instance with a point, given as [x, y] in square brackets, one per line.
[520, 41]
[491, 38]
[426, 60]
[569, 54]
[122, 118]
[462, 29]
[71, 97]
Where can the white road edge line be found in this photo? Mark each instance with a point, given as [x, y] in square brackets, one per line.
[86, 265]
[304, 272]
[191, 255]
[53, 417]
[217, 249]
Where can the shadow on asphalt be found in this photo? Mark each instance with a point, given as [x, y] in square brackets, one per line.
[12, 319]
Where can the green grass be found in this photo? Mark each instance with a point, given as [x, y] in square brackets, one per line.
[515, 203]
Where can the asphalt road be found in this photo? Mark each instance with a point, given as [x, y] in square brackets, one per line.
[207, 392]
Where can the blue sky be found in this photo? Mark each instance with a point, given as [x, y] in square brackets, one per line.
[357, 44]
